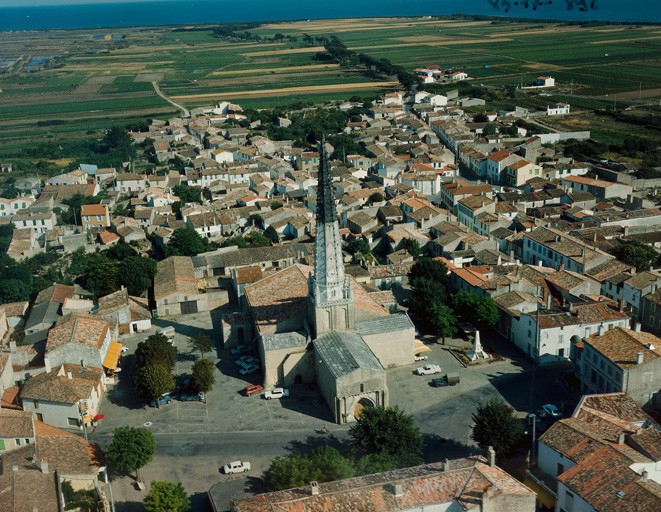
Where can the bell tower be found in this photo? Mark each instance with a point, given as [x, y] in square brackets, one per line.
[331, 302]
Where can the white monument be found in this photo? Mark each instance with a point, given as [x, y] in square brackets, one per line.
[477, 353]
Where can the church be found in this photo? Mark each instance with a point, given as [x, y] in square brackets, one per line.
[318, 325]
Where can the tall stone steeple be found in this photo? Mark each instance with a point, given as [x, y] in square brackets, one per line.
[330, 292]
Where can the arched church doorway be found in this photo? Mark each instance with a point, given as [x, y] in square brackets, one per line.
[362, 404]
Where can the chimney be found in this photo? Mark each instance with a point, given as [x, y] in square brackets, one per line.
[44, 467]
[548, 301]
[14, 468]
[632, 271]
[636, 327]
[645, 475]
[640, 358]
[314, 488]
[492, 456]
[12, 347]
[602, 330]
[69, 375]
[47, 363]
[540, 263]
[561, 267]
[620, 438]
[620, 305]
[446, 465]
[398, 490]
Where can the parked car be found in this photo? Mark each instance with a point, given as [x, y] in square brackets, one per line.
[192, 397]
[421, 358]
[250, 369]
[428, 369]
[540, 426]
[236, 467]
[183, 383]
[252, 389]
[552, 411]
[168, 332]
[239, 349]
[125, 349]
[246, 360]
[276, 393]
[449, 379]
[164, 400]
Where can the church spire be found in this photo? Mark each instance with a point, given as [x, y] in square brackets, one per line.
[330, 292]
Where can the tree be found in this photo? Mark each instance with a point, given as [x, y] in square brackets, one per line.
[156, 349]
[412, 246]
[324, 464]
[489, 129]
[428, 269]
[443, 321]
[131, 449]
[477, 309]
[375, 463]
[376, 197]
[153, 380]
[187, 194]
[272, 235]
[239, 241]
[390, 431]
[137, 274]
[480, 117]
[186, 242]
[637, 254]
[201, 343]
[275, 205]
[496, 425]
[355, 245]
[257, 239]
[202, 375]
[167, 497]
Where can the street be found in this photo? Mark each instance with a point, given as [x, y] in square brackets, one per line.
[195, 439]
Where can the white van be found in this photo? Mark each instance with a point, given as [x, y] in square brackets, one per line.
[168, 332]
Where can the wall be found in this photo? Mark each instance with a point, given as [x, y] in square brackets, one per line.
[392, 348]
[577, 504]
[557, 137]
[548, 460]
[54, 414]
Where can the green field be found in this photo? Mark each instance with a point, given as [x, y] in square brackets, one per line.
[92, 83]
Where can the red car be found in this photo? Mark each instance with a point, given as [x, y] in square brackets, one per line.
[253, 389]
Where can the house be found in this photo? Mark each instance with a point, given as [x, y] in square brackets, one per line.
[38, 222]
[650, 311]
[604, 457]
[46, 308]
[461, 484]
[176, 289]
[558, 109]
[544, 81]
[621, 360]
[66, 396]
[94, 217]
[128, 183]
[131, 313]
[458, 75]
[598, 188]
[9, 207]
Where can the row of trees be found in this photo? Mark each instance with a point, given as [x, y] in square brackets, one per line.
[437, 308]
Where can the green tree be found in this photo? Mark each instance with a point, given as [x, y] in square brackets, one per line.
[131, 449]
[137, 274]
[489, 129]
[200, 343]
[387, 430]
[443, 321]
[480, 117]
[156, 349]
[412, 246]
[187, 194]
[257, 239]
[479, 310]
[375, 463]
[495, 424]
[167, 497]
[637, 254]
[275, 205]
[202, 375]
[272, 234]
[355, 245]
[239, 241]
[377, 197]
[153, 380]
[6, 233]
[186, 242]
[324, 464]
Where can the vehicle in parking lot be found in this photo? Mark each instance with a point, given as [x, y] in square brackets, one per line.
[125, 349]
[192, 397]
[252, 389]
[236, 467]
[421, 358]
[165, 399]
[540, 426]
[276, 393]
[250, 369]
[551, 411]
[246, 360]
[428, 369]
[239, 349]
[449, 379]
[168, 332]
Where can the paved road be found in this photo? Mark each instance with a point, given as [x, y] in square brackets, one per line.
[194, 439]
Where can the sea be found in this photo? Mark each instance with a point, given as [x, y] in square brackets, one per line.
[130, 13]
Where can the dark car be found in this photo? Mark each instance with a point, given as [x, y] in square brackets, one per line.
[192, 397]
[166, 399]
[540, 426]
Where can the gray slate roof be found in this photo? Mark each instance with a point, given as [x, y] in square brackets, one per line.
[283, 340]
[345, 352]
[390, 323]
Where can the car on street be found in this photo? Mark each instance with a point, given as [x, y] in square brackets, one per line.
[250, 369]
[276, 393]
[551, 411]
[421, 358]
[235, 467]
[252, 389]
[428, 369]
[164, 400]
[239, 349]
[192, 397]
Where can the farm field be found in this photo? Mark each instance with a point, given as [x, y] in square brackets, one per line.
[75, 83]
